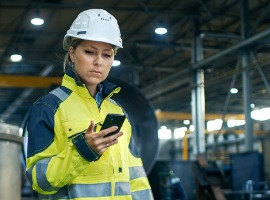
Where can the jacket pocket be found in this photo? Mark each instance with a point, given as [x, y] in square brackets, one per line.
[72, 128]
[95, 168]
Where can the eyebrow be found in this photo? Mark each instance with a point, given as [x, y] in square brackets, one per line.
[109, 49]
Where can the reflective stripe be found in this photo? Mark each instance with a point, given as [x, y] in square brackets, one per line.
[41, 168]
[136, 172]
[90, 190]
[143, 194]
[81, 191]
[122, 188]
[61, 94]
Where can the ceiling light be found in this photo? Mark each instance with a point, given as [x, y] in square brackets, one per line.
[116, 63]
[215, 124]
[179, 132]
[37, 21]
[234, 90]
[233, 122]
[16, 58]
[191, 127]
[164, 133]
[186, 122]
[261, 114]
[160, 30]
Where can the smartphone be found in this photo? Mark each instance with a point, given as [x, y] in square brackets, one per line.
[113, 120]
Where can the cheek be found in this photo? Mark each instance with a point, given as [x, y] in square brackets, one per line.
[108, 68]
[80, 66]
[81, 62]
[106, 72]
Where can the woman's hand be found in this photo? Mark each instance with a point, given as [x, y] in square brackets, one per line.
[97, 141]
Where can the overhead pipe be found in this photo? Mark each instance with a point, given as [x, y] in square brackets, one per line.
[259, 68]
[172, 45]
[168, 80]
[225, 52]
[264, 63]
[220, 36]
[228, 96]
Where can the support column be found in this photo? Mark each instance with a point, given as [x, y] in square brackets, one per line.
[246, 81]
[197, 94]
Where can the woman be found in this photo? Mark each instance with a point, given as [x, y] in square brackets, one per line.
[68, 156]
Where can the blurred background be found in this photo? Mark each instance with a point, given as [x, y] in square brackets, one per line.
[195, 78]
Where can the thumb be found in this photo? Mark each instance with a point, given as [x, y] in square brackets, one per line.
[91, 127]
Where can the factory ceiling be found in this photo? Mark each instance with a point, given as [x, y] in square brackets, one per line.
[231, 35]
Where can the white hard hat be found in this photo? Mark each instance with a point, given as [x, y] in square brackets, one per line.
[96, 25]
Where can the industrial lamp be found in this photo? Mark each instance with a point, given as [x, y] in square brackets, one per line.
[116, 63]
[16, 57]
[37, 21]
[160, 30]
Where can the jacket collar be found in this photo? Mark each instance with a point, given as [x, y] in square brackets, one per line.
[71, 81]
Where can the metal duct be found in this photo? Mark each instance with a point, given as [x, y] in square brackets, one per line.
[10, 165]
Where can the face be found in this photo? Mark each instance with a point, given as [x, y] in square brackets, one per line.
[92, 61]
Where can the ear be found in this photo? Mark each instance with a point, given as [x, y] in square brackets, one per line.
[71, 54]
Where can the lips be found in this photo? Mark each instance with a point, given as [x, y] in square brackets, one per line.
[96, 72]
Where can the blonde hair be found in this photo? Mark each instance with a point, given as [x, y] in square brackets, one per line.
[74, 42]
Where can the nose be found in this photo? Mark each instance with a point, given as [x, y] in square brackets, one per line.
[98, 60]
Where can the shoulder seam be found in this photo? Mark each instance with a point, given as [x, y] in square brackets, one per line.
[60, 93]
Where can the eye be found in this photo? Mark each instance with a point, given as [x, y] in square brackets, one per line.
[107, 55]
[89, 52]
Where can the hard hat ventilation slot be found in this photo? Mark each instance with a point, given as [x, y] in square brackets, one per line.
[81, 32]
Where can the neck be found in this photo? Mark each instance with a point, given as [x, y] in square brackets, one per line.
[92, 90]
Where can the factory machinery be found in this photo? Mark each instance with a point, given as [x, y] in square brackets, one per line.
[224, 172]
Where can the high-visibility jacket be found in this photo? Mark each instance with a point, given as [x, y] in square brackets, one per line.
[61, 165]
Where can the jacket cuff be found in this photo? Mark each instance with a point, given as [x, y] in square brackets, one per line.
[84, 149]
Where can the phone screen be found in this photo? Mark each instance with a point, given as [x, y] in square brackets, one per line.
[113, 120]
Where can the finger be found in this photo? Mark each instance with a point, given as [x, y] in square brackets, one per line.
[111, 143]
[113, 139]
[115, 136]
[91, 127]
[104, 147]
[107, 131]
[108, 144]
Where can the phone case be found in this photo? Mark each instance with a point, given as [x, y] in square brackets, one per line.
[113, 120]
